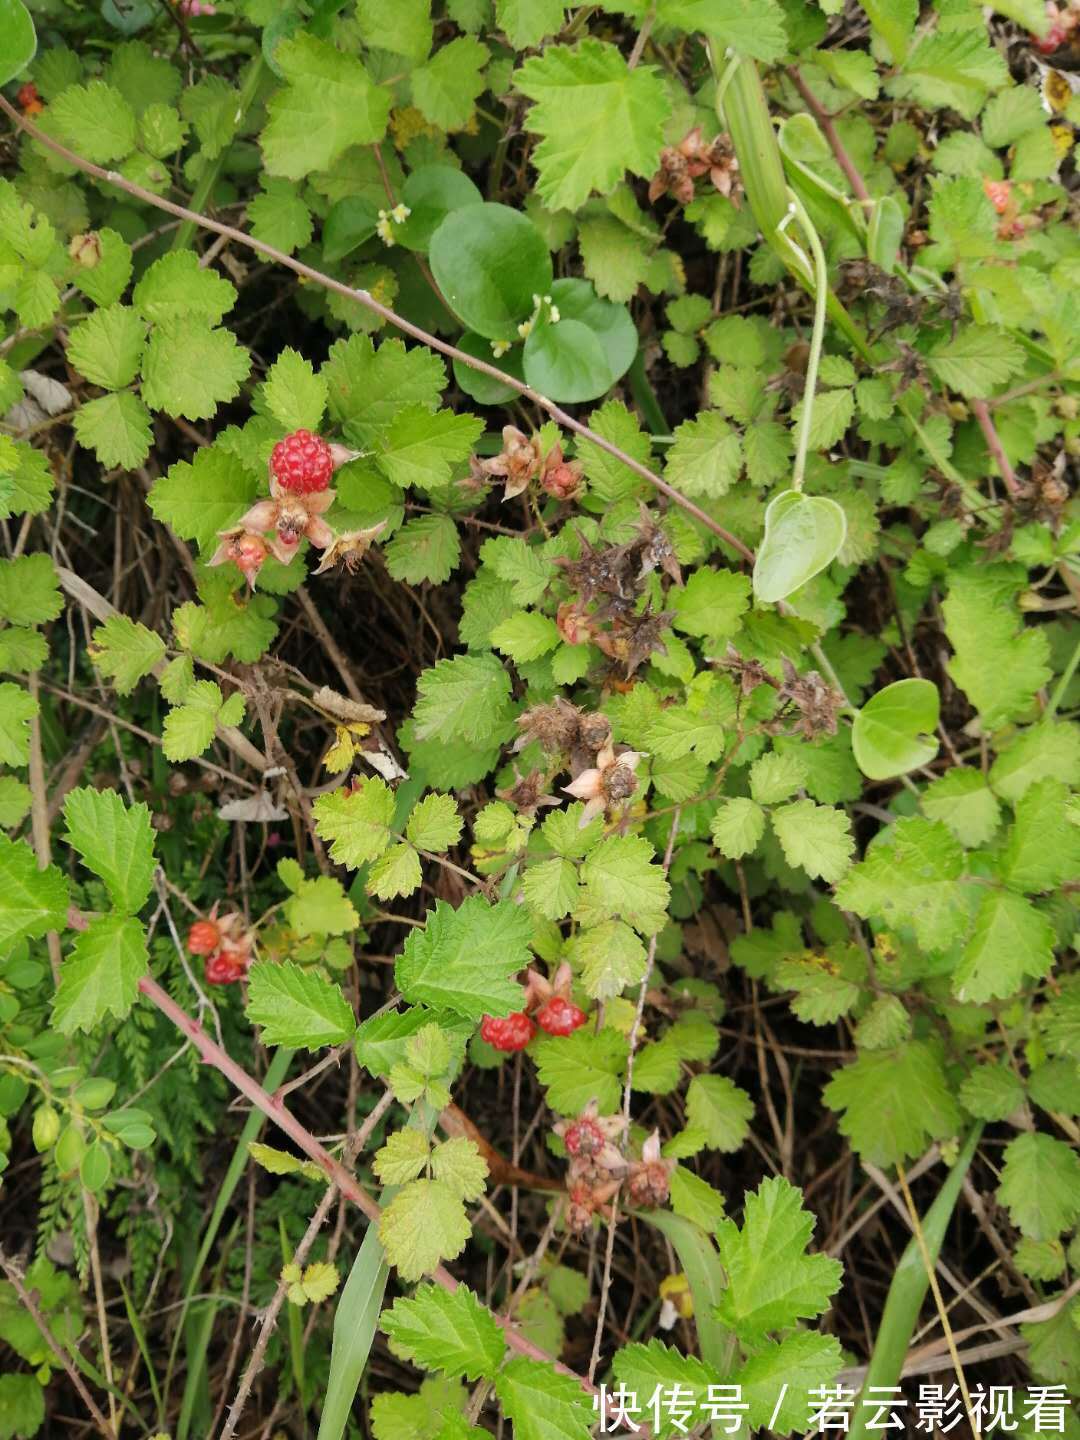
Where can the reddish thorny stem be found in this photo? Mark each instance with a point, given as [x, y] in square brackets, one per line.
[274, 1108]
[363, 297]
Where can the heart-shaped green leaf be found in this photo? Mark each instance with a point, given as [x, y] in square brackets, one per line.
[489, 261]
[18, 42]
[431, 193]
[894, 731]
[611, 324]
[566, 362]
[803, 534]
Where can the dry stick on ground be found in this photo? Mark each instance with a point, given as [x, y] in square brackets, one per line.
[14, 1274]
[255, 1364]
[213, 1054]
[111, 177]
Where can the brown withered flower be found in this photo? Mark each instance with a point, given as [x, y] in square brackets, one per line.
[529, 793]
[606, 784]
[560, 477]
[655, 551]
[682, 164]
[635, 638]
[818, 704]
[349, 548]
[599, 571]
[749, 673]
[556, 726]
[590, 1135]
[648, 1180]
[517, 463]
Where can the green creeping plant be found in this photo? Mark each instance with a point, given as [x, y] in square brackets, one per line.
[539, 645]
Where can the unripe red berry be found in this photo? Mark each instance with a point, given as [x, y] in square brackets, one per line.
[509, 1032]
[999, 193]
[204, 937]
[224, 968]
[560, 1017]
[584, 1137]
[1054, 38]
[302, 463]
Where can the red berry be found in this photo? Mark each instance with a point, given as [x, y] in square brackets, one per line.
[999, 193]
[1054, 38]
[224, 968]
[204, 937]
[510, 1032]
[560, 1017]
[302, 463]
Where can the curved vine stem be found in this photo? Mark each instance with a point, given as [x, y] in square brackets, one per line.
[817, 338]
[391, 317]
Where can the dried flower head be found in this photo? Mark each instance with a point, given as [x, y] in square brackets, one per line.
[608, 783]
[349, 548]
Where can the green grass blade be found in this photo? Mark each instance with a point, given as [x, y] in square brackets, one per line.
[354, 1330]
[909, 1285]
[705, 1275]
[144, 1350]
[278, 1069]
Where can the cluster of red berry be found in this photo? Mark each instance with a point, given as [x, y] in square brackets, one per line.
[225, 945]
[547, 1004]
[302, 463]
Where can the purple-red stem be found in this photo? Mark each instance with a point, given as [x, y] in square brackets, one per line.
[981, 411]
[828, 129]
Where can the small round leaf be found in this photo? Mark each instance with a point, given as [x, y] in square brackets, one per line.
[803, 534]
[566, 362]
[489, 261]
[95, 1167]
[480, 387]
[612, 325]
[432, 192]
[894, 731]
[18, 42]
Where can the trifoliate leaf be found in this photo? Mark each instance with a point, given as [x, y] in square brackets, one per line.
[816, 838]
[717, 1107]
[356, 822]
[404, 1157]
[328, 104]
[746, 26]
[278, 216]
[710, 605]
[421, 447]
[598, 118]
[462, 699]
[427, 547]
[581, 1067]
[772, 1281]
[405, 30]
[706, 457]
[293, 393]
[453, 1333]
[610, 956]
[125, 651]
[737, 827]
[525, 635]
[954, 68]
[189, 728]
[1040, 1185]
[424, 1224]
[32, 901]
[17, 709]
[527, 22]
[445, 90]
[976, 361]
[909, 877]
[551, 888]
[189, 369]
[645, 1370]
[999, 665]
[434, 823]
[1010, 940]
[95, 120]
[963, 801]
[1043, 847]
[459, 1164]
[991, 1092]
[116, 428]
[462, 959]
[176, 287]
[782, 1381]
[29, 590]
[203, 497]
[101, 975]
[297, 1007]
[108, 345]
[321, 907]
[621, 878]
[893, 1102]
[541, 1403]
[369, 385]
[776, 776]
[115, 841]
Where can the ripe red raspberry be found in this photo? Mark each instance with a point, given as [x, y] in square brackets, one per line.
[302, 463]
[511, 1032]
[224, 968]
[204, 937]
[560, 1017]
